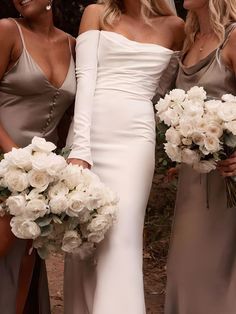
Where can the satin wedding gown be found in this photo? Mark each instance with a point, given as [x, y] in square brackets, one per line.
[114, 129]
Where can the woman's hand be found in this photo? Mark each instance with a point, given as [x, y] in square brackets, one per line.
[172, 174]
[227, 168]
[79, 162]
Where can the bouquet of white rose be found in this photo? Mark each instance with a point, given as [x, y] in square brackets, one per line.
[59, 206]
[198, 131]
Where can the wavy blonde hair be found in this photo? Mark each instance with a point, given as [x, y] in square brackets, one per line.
[221, 14]
[149, 9]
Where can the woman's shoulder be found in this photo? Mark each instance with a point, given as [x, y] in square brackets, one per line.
[91, 18]
[173, 23]
[7, 26]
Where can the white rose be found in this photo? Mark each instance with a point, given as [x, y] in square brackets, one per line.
[213, 105]
[76, 203]
[58, 205]
[231, 127]
[198, 138]
[214, 129]
[170, 117]
[88, 178]
[212, 144]
[190, 156]
[177, 95]
[36, 208]
[71, 241]
[59, 189]
[39, 161]
[205, 166]
[39, 179]
[3, 167]
[16, 205]
[173, 136]
[24, 228]
[19, 157]
[71, 176]
[16, 180]
[193, 110]
[39, 144]
[163, 105]
[186, 126]
[173, 151]
[110, 210]
[98, 228]
[186, 141]
[229, 98]
[56, 164]
[227, 112]
[197, 93]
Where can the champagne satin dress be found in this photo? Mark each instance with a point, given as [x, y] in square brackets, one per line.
[30, 106]
[202, 258]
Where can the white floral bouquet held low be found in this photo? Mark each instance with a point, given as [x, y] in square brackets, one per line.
[61, 207]
[198, 131]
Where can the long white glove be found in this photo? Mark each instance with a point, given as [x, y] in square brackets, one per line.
[86, 74]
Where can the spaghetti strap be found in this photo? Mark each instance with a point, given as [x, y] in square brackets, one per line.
[228, 32]
[20, 31]
[68, 36]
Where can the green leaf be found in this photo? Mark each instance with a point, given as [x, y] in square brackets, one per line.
[46, 231]
[44, 221]
[230, 140]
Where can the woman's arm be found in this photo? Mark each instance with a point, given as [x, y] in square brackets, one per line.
[227, 167]
[7, 43]
[86, 73]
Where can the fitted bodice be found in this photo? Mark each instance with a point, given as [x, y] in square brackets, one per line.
[29, 104]
[129, 66]
[210, 73]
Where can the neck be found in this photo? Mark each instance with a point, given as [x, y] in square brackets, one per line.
[43, 24]
[133, 8]
[204, 21]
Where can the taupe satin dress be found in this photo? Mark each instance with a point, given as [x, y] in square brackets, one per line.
[30, 106]
[202, 258]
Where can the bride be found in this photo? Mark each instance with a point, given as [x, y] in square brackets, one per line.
[122, 50]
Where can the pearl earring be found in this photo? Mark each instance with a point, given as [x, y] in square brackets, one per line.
[49, 6]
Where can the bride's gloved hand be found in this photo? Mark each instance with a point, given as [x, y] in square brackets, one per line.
[79, 162]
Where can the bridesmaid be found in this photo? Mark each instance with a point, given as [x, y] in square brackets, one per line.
[202, 258]
[37, 86]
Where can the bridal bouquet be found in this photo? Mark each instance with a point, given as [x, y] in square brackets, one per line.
[60, 207]
[198, 131]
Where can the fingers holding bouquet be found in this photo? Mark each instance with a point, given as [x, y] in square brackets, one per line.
[227, 167]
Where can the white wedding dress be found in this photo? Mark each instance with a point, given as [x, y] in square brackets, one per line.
[114, 129]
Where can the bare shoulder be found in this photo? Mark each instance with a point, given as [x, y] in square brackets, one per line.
[7, 27]
[175, 27]
[91, 19]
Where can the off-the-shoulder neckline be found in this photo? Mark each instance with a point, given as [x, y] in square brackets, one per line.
[125, 38]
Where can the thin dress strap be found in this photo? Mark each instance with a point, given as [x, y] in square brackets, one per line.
[228, 32]
[20, 31]
[68, 36]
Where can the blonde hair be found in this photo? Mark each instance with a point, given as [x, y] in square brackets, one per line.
[149, 9]
[221, 14]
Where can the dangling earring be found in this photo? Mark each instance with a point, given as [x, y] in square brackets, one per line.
[49, 6]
